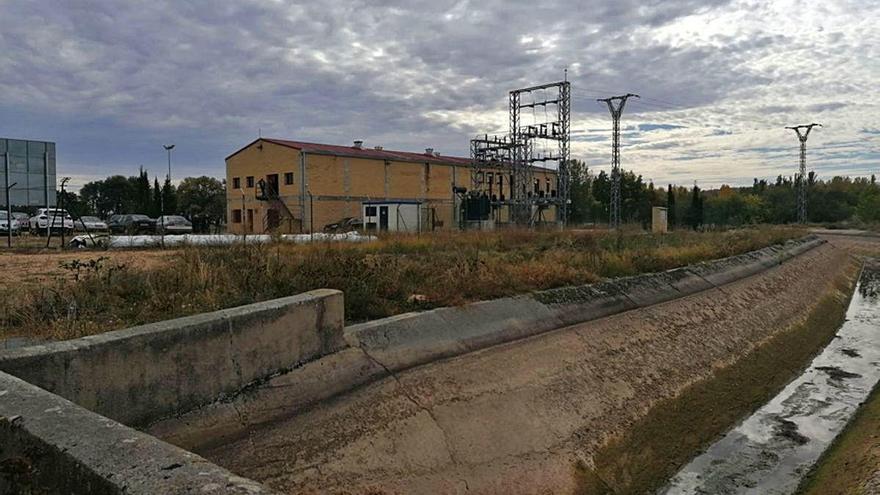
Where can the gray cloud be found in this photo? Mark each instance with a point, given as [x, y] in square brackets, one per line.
[111, 81]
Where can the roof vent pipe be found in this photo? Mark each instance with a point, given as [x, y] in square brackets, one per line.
[358, 144]
[379, 148]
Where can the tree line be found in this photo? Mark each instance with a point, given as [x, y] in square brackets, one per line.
[200, 199]
[835, 200]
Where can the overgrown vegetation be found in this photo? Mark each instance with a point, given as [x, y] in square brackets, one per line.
[391, 276]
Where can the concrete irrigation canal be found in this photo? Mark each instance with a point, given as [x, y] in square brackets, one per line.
[596, 389]
[770, 451]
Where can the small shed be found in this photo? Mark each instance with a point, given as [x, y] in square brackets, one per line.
[392, 216]
[659, 219]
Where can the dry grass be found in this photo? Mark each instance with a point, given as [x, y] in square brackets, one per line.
[393, 275]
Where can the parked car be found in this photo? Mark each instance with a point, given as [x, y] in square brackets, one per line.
[23, 219]
[346, 224]
[60, 220]
[92, 224]
[173, 224]
[114, 223]
[6, 224]
[131, 224]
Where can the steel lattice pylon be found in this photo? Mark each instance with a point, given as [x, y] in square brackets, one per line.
[616, 112]
[514, 154]
[524, 138]
[802, 175]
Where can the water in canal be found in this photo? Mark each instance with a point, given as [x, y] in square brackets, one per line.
[773, 449]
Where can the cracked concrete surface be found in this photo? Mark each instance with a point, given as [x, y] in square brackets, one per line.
[516, 418]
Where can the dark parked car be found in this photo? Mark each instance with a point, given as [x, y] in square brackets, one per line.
[173, 224]
[347, 224]
[131, 224]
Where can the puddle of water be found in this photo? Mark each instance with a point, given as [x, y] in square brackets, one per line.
[775, 447]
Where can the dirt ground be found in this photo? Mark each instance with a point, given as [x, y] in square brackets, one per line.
[523, 417]
[24, 269]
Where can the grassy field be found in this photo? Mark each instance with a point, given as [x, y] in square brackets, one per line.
[97, 292]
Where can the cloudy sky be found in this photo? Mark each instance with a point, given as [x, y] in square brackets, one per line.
[112, 81]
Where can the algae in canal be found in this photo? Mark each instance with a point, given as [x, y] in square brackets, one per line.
[772, 449]
[673, 431]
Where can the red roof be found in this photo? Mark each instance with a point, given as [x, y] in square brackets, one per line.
[332, 149]
[351, 151]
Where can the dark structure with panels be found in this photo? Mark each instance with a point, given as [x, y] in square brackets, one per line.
[27, 171]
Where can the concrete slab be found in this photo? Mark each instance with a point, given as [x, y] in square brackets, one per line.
[145, 373]
[50, 445]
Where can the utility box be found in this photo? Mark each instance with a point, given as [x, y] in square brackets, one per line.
[658, 219]
[392, 216]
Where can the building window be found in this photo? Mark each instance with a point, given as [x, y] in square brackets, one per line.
[236, 183]
[288, 178]
[236, 216]
[370, 211]
[479, 177]
[548, 184]
[249, 180]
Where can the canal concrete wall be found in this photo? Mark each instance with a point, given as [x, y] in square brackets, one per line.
[213, 376]
[51, 445]
[386, 346]
[152, 371]
[411, 339]
[536, 415]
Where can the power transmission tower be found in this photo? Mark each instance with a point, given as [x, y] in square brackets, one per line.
[802, 189]
[616, 112]
[525, 138]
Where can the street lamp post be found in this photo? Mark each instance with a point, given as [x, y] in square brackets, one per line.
[168, 148]
[9, 213]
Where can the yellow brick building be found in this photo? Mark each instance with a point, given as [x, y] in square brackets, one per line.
[292, 186]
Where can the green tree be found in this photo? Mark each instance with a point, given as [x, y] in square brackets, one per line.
[156, 209]
[143, 202]
[868, 208]
[169, 194]
[111, 195]
[670, 208]
[203, 201]
[694, 214]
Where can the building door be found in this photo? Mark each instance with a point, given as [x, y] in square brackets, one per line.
[272, 185]
[273, 218]
[249, 226]
[383, 218]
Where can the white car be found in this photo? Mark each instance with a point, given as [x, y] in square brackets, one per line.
[5, 224]
[60, 219]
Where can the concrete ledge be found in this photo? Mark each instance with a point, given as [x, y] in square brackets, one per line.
[381, 347]
[280, 396]
[412, 339]
[50, 445]
[144, 373]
